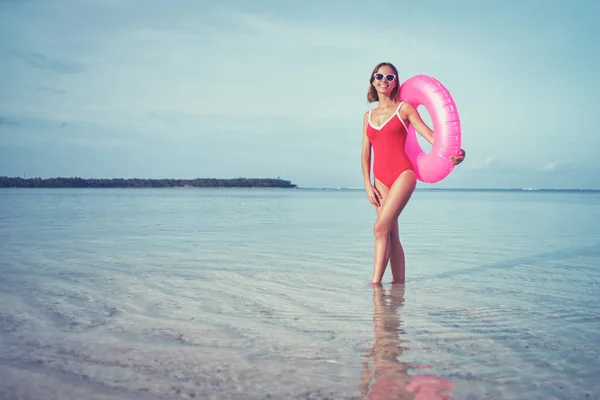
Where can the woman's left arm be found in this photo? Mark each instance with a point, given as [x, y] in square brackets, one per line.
[413, 117]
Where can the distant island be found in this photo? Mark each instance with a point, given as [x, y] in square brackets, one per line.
[76, 182]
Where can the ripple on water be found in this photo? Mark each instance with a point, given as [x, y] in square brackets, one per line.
[192, 295]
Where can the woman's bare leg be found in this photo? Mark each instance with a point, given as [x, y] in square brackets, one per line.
[397, 259]
[387, 216]
[383, 190]
[395, 255]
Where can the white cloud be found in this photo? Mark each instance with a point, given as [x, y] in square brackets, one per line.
[488, 163]
[554, 166]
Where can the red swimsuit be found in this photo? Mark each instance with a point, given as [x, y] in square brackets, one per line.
[388, 145]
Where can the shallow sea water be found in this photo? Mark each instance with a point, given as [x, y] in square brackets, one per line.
[265, 294]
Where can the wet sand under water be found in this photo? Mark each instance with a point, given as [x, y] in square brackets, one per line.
[164, 307]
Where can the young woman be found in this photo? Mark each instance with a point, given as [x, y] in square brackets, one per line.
[385, 128]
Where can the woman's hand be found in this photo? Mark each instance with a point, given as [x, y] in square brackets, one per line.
[458, 159]
[373, 195]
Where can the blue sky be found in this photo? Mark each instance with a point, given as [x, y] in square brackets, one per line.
[189, 88]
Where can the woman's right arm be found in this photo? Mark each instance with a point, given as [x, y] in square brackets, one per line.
[372, 193]
[366, 153]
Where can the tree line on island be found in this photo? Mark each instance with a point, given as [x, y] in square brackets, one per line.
[76, 182]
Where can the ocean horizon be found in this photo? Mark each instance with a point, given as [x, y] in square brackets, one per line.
[354, 188]
[230, 183]
[122, 293]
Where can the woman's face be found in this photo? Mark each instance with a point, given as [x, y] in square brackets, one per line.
[385, 80]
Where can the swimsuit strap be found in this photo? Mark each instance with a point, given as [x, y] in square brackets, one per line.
[398, 109]
[400, 118]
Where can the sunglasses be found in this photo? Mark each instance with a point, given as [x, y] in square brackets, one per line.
[388, 77]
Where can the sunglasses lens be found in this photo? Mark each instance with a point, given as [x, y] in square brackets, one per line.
[379, 76]
[389, 77]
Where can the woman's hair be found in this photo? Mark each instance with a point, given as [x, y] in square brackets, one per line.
[372, 94]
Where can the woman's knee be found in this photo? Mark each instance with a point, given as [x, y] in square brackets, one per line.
[382, 228]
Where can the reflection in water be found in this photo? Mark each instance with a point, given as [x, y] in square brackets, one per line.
[383, 376]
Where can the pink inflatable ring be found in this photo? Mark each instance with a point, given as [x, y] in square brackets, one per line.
[427, 91]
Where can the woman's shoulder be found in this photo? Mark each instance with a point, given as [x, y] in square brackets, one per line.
[366, 116]
[405, 107]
